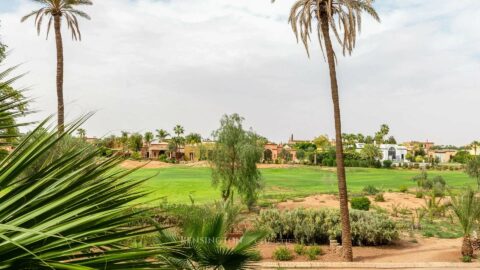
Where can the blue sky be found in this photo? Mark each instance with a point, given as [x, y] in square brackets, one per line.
[8, 5]
[148, 64]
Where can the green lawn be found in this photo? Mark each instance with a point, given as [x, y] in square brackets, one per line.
[176, 183]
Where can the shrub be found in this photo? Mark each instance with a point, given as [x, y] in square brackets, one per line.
[136, 156]
[162, 158]
[282, 254]
[256, 256]
[466, 259]
[360, 203]
[299, 249]
[419, 195]
[370, 190]
[316, 226]
[379, 197]
[403, 188]
[313, 252]
[387, 164]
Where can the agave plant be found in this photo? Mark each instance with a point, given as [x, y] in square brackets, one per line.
[466, 207]
[203, 245]
[71, 213]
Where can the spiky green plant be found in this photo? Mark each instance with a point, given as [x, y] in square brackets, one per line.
[70, 213]
[203, 245]
[466, 207]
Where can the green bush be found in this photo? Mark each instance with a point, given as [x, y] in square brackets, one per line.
[370, 190]
[387, 164]
[313, 252]
[256, 256]
[379, 197]
[360, 203]
[466, 259]
[403, 188]
[282, 254]
[315, 226]
[419, 195]
[299, 249]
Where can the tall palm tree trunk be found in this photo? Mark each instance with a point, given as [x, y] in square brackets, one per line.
[59, 43]
[342, 183]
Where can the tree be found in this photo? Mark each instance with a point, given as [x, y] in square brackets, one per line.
[475, 145]
[391, 140]
[327, 14]
[148, 137]
[177, 141]
[466, 207]
[124, 141]
[285, 155]
[369, 139]
[371, 153]
[55, 10]
[193, 138]
[162, 134]
[235, 157]
[462, 157]
[472, 169]
[322, 142]
[380, 135]
[135, 142]
[300, 154]
[178, 130]
[82, 133]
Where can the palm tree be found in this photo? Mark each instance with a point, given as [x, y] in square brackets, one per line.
[82, 133]
[466, 207]
[55, 10]
[475, 145]
[124, 141]
[327, 14]
[178, 130]
[148, 137]
[162, 134]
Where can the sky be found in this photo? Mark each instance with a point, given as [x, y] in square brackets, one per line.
[149, 64]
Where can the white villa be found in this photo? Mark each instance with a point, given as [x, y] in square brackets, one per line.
[393, 152]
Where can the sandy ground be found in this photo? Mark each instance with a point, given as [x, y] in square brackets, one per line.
[392, 199]
[426, 250]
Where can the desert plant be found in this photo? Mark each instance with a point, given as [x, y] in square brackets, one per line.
[317, 226]
[282, 254]
[70, 214]
[370, 190]
[403, 188]
[360, 203]
[379, 197]
[466, 207]
[466, 259]
[202, 245]
[299, 249]
[434, 206]
[312, 252]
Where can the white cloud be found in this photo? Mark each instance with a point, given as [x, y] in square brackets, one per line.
[152, 64]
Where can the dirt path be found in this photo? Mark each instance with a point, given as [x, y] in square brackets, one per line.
[392, 199]
[426, 250]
